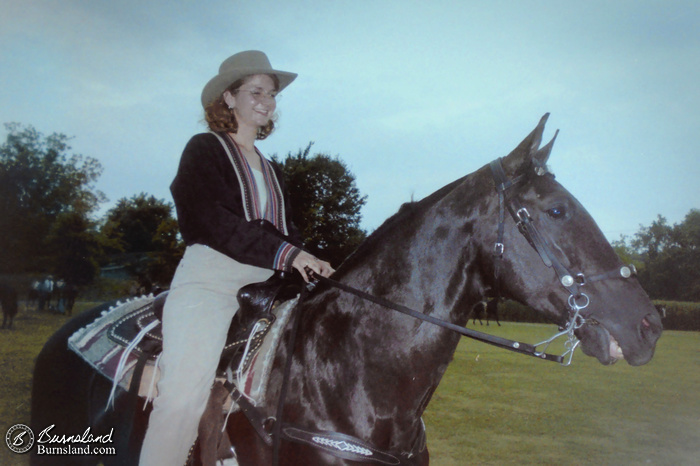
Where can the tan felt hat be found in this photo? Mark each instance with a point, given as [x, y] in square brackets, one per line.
[238, 66]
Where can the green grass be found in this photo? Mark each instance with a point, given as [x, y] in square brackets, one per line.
[18, 350]
[494, 406]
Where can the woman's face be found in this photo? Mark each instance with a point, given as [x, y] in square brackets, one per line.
[253, 103]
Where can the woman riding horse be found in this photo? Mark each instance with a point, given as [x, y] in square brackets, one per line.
[360, 371]
[227, 197]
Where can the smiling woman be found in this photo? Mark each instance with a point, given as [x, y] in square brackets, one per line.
[234, 216]
[218, 111]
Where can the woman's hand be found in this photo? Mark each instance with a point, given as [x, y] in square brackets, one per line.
[306, 261]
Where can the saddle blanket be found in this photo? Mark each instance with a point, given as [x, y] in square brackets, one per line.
[111, 359]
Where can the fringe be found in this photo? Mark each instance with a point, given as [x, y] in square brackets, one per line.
[123, 360]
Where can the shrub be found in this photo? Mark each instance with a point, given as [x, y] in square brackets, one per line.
[679, 315]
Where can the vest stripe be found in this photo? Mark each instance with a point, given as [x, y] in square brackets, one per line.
[275, 211]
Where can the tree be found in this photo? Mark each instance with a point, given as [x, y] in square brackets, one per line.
[39, 181]
[143, 235]
[75, 248]
[326, 204]
[684, 256]
[624, 250]
[670, 256]
[169, 249]
[654, 239]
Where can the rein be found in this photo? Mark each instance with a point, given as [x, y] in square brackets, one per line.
[518, 347]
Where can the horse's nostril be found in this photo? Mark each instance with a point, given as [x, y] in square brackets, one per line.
[650, 327]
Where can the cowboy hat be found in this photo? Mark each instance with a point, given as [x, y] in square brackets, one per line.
[238, 66]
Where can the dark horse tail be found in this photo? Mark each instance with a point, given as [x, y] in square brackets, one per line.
[68, 394]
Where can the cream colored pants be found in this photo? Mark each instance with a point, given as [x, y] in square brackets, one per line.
[196, 318]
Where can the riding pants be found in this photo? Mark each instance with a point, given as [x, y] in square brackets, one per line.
[196, 318]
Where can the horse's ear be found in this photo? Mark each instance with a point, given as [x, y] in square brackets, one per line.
[540, 157]
[537, 134]
[528, 153]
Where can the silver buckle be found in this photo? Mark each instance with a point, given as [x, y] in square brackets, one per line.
[523, 215]
[498, 249]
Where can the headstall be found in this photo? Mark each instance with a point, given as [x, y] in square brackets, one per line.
[571, 282]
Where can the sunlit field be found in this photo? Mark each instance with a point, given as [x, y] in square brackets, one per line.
[494, 406]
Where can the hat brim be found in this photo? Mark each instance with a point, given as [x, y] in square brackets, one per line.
[219, 83]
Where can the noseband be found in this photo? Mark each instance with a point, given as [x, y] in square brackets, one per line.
[571, 282]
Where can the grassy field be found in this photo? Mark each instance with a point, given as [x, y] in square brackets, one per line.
[18, 349]
[494, 406]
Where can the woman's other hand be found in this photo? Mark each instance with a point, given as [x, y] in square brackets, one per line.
[306, 261]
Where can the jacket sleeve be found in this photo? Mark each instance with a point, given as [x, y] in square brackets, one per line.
[210, 211]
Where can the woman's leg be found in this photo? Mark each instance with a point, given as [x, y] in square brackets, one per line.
[194, 333]
[196, 318]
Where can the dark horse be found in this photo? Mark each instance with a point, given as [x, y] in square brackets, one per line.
[489, 309]
[364, 371]
[8, 300]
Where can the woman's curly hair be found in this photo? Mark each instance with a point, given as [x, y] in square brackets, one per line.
[221, 119]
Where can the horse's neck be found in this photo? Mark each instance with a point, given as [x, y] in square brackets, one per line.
[430, 261]
[385, 365]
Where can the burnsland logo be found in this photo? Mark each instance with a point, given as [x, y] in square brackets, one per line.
[19, 438]
[45, 436]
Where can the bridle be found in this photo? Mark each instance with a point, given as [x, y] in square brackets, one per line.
[573, 283]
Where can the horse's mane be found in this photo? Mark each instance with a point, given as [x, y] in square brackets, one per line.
[407, 212]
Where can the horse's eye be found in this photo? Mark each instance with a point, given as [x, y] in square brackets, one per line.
[557, 212]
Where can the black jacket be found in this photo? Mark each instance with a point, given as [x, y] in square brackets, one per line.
[210, 209]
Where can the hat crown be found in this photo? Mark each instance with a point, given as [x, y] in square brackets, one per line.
[250, 59]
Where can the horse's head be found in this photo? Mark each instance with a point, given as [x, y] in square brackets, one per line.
[556, 260]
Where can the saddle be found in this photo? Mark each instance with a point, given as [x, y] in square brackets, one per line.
[136, 326]
[141, 329]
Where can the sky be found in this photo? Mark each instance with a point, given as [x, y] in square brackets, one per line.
[409, 94]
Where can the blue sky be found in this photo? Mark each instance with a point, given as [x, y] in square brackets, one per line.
[410, 94]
